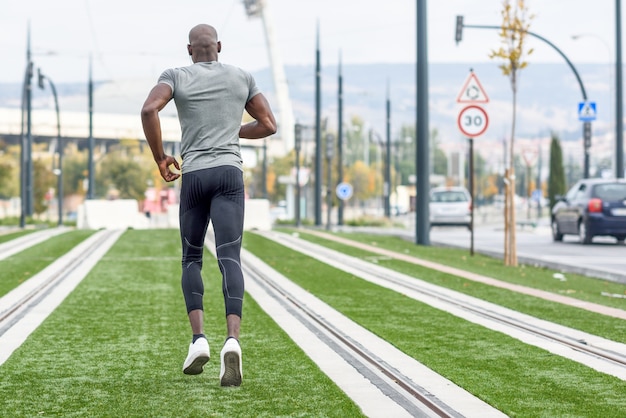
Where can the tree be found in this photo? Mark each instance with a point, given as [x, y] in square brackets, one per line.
[356, 146]
[405, 153]
[359, 175]
[556, 181]
[74, 174]
[124, 175]
[515, 24]
[44, 181]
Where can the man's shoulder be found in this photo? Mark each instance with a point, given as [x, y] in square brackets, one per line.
[234, 68]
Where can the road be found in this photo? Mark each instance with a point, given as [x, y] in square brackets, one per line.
[603, 259]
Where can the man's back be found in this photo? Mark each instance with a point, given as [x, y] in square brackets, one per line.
[210, 98]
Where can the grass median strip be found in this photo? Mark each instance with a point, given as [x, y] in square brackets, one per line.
[115, 347]
[13, 234]
[593, 323]
[518, 379]
[20, 267]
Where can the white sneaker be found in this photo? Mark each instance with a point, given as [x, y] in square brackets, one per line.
[198, 356]
[230, 370]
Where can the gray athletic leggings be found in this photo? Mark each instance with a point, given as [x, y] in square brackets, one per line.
[217, 195]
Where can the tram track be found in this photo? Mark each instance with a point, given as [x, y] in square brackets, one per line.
[601, 354]
[381, 379]
[24, 308]
[7, 249]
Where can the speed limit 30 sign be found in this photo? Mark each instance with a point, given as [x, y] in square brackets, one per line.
[473, 121]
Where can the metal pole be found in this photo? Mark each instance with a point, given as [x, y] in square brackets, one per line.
[60, 152]
[586, 128]
[318, 135]
[29, 135]
[586, 147]
[91, 182]
[387, 184]
[471, 190]
[340, 140]
[540, 193]
[23, 155]
[619, 113]
[329, 195]
[422, 228]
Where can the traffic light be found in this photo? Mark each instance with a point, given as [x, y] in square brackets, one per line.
[41, 77]
[459, 29]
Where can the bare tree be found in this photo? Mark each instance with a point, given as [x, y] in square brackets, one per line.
[515, 24]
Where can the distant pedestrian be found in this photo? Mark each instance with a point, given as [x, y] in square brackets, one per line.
[210, 98]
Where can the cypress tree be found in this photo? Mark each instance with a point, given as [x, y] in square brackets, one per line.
[556, 183]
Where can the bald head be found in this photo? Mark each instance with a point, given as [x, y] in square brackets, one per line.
[203, 44]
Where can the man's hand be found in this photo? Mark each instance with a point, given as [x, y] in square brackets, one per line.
[164, 168]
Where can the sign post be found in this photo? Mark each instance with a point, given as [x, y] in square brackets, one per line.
[587, 113]
[472, 122]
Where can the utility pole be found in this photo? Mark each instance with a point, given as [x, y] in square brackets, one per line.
[619, 112]
[30, 193]
[59, 170]
[25, 154]
[340, 139]
[387, 185]
[91, 182]
[318, 134]
[422, 227]
[330, 139]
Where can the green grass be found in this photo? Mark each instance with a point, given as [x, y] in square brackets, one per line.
[12, 234]
[115, 348]
[518, 379]
[581, 287]
[20, 267]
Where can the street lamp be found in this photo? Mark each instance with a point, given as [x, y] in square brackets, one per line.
[59, 170]
[586, 125]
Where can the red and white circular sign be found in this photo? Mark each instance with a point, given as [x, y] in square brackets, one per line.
[473, 121]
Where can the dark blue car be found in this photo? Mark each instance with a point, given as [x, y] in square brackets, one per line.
[592, 207]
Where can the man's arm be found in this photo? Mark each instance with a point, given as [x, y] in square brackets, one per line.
[263, 124]
[160, 95]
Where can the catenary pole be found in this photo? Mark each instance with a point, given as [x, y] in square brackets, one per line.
[619, 110]
[422, 233]
[318, 134]
[340, 139]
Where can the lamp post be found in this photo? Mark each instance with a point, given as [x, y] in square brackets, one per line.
[586, 125]
[59, 170]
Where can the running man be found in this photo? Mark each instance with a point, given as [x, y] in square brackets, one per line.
[210, 98]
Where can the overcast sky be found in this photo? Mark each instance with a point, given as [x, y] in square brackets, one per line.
[140, 38]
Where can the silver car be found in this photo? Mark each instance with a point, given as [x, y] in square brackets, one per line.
[450, 206]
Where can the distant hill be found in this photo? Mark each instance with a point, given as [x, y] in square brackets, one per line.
[548, 96]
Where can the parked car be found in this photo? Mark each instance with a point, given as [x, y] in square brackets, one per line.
[592, 207]
[450, 206]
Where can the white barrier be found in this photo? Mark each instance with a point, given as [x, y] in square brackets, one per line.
[111, 214]
[257, 215]
[124, 213]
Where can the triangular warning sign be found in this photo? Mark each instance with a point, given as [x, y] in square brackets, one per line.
[472, 91]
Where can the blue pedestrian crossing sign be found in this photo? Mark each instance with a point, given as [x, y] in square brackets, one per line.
[344, 191]
[587, 111]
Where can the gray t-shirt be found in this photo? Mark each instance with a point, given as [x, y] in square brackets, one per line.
[210, 98]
